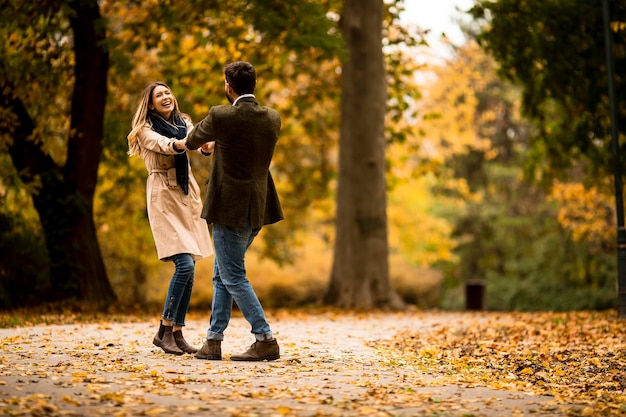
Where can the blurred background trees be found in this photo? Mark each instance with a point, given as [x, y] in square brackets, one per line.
[53, 93]
[498, 165]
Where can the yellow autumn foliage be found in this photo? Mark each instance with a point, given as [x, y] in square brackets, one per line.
[587, 212]
[450, 106]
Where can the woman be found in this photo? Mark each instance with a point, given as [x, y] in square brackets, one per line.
[158, 136]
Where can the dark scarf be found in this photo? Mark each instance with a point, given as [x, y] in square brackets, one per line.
[177, 130]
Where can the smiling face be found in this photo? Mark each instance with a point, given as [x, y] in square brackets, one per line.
[163, 101]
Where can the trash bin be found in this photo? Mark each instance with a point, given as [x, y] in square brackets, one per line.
[475, 295]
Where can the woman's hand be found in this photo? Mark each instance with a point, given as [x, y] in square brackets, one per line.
[180, 145]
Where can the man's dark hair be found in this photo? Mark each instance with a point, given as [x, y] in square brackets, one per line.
[241, 77]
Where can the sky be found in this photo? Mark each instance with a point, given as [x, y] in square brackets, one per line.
[438, 16]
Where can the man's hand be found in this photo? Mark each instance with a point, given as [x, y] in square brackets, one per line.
[208, 147]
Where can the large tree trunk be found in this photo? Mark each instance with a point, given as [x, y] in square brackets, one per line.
[360, 273]
[85, 147]
[64, 200]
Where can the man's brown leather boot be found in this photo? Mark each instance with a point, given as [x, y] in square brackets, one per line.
[211, 350]
[266, 350]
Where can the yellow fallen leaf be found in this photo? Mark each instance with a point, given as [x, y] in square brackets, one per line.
[526, 371]
[284, 410]
[157, 410]
[70, 400]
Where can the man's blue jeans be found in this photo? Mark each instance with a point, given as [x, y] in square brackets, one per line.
[179, 291]
[230, 283]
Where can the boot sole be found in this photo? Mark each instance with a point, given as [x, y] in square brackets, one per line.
[209, 357]
[265, 358]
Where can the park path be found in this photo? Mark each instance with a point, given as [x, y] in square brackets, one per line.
[327, 368]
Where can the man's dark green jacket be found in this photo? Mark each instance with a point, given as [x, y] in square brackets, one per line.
[240, 189]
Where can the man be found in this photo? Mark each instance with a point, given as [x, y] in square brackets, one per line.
[241, 198]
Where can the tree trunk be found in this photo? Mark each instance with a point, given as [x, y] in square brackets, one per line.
[360, 273]
[85, 147]
[64, 199]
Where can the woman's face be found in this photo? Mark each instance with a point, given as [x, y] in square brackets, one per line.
[162, 101]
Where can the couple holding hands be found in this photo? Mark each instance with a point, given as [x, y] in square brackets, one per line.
[240, 199]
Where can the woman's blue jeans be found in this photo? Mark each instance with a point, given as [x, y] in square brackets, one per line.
[179, 292]
[230, 283]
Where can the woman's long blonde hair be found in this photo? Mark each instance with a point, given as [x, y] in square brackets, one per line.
[140, 119]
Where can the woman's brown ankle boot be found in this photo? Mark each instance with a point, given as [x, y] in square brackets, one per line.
[165, 340]
[182, 343]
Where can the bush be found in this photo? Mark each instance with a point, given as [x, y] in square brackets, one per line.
[24, 271]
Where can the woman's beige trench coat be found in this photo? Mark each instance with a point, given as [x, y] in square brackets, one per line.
[174, 217]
